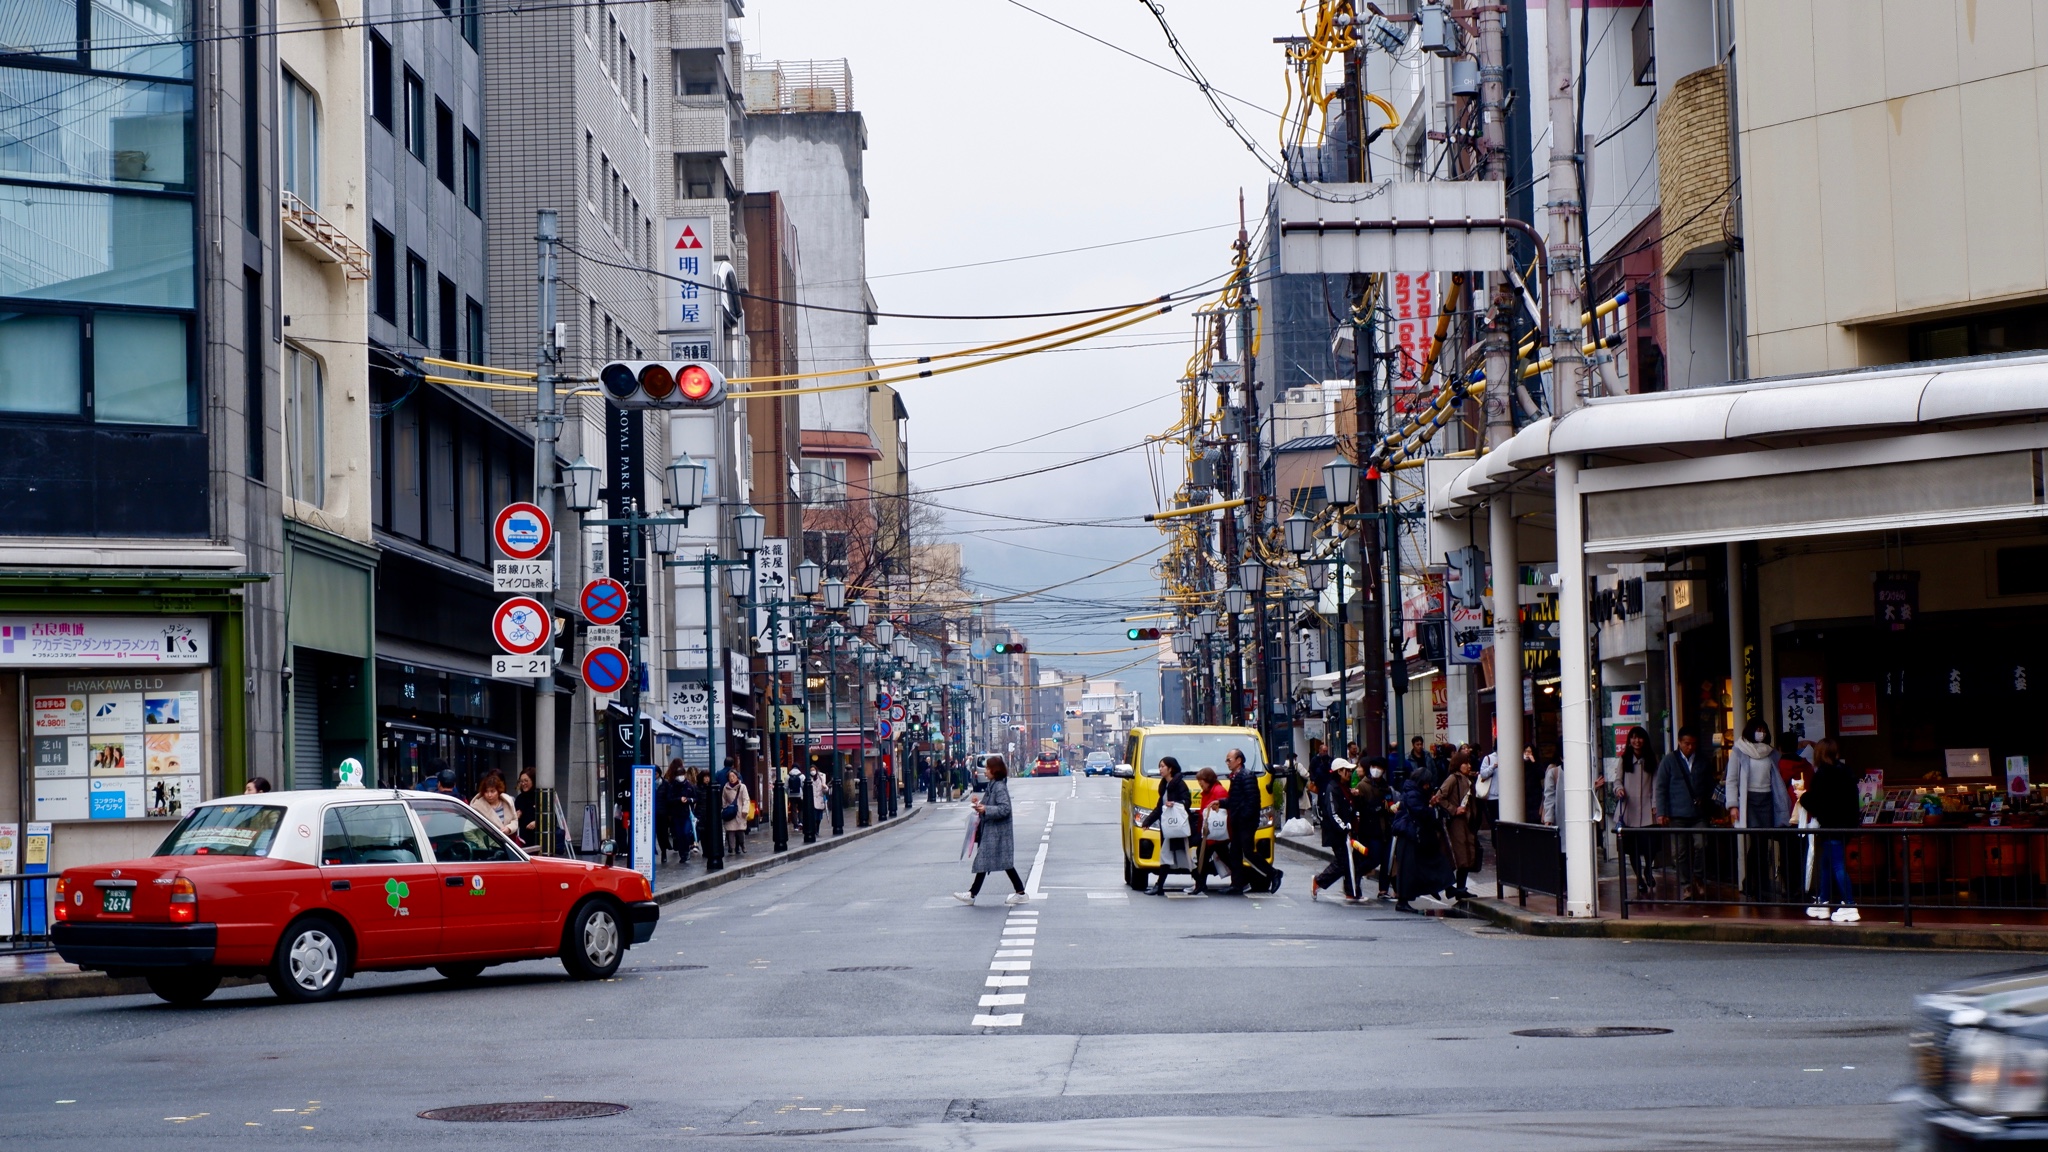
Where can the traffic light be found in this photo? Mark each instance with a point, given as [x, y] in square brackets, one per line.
[1142, 633]
[663, 384]
[1009, 647]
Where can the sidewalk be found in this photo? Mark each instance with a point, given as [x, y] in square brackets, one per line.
[1880, 928]
[26, 976]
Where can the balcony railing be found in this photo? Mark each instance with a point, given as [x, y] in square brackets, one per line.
[331, 243]
[799, 86]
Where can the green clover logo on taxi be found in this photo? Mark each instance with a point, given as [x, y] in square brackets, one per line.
[396, 890]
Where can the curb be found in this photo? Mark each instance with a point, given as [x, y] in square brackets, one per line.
[732, 872]
[77, 985]
[1506, 914]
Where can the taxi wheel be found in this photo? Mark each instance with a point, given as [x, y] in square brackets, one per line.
[182, 986]
[311, 959]
[461, 973]
[593, 945]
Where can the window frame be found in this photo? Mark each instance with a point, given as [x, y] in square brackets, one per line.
[380, 80]
[415, 115]
[383, 273]
[296, 360]
[472, 172]
[418, 321]
[293, 151]
[444, 144]
[87, 315]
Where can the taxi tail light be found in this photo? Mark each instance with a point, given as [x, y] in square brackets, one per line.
[184, 901]
[63, 909]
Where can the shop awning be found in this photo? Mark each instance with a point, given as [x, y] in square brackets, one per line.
[666, 725]
[399, 650]
[840, 741]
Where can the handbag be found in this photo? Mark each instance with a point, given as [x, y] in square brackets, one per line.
[1173, 821]
[1215, 823]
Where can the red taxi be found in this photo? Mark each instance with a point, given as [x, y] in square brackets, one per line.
[308, 887]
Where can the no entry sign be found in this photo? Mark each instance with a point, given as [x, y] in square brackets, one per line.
[605, 670]
[603, 601]
[522, 625]
[522, 531]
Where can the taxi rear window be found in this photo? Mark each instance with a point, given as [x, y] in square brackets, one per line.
[225, 830]
[1194, 751]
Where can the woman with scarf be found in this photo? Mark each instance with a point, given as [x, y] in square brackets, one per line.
[1635, 790]
[1757, 797]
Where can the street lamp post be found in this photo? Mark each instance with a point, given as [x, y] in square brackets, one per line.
[1340, 488]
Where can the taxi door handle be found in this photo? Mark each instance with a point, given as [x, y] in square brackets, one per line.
[338, 885]
[453, 881]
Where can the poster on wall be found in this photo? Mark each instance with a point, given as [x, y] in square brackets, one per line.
[121, 747]
[1802, 707]
[10, 864]
[1856, 702]
[1967, 763]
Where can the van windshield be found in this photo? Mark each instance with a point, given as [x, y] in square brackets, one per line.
[1198, 750]
[225, 830]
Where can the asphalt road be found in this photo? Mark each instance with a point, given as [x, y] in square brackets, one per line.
[839, 1002]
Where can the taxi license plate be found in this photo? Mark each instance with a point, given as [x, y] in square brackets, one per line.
[117, 899]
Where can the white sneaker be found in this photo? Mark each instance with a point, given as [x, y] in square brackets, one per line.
[1817, 911]
[1847, 916]
[964, 897]
[1016, 898]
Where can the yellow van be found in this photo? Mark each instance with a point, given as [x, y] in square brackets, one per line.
[1194, 747]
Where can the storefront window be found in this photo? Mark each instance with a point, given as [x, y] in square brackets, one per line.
[39, 364]
[118, 746]
[140, 369]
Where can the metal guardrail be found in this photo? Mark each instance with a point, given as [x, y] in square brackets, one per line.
[27, 889]
[1907, 868]
[1528, 858]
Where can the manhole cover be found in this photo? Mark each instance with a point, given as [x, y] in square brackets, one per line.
[873, 968]
[662, 968]
[1276, 936]
[524, 1110]
[1604, 1032]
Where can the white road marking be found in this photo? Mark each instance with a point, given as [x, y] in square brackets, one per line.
[1012, 953]
[1006, 982]
[1109, 896]
[1009, 965]
[1006, 1020]
[992, 1000]
[1037, 870]
[1027, 929]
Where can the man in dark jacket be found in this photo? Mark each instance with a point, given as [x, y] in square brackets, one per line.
[1243, 805]
[1334, 813]
[1684, 788]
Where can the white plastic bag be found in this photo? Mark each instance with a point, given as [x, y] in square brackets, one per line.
[1299, 826]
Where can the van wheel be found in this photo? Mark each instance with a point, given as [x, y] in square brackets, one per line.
[593, 945]
[461, 973]
[310, 961]
[184, 986]
[1133, 879]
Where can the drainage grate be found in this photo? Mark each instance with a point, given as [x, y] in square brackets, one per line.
[1277, 936]
[524, 1110]
[873, 968]
[1604, 1032]
[661, 968]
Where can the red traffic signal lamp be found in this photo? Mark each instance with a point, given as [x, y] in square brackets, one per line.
[1009, 648]
[1143, 633]
[662, 384]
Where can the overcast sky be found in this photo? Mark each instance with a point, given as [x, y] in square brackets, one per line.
[995, 133]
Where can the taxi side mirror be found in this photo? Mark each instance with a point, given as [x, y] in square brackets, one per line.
[1122, 772]
[610, 849]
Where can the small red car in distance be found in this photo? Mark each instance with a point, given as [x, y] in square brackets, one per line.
[307, 887]
[1048, 764]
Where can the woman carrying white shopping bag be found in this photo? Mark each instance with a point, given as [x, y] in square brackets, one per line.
[1175, 828]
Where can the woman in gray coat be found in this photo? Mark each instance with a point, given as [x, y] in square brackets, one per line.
[995, 843]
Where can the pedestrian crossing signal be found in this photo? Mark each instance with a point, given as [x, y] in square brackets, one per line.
[1142, 633]
[1009, 647]
[662, 384]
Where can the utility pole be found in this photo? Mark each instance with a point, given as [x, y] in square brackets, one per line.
[547, 427]
[1567, 381]
[1509, 785]
[1372, 729]
[1254, 477]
